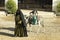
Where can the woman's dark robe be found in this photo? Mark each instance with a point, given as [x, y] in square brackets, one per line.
[20, 28]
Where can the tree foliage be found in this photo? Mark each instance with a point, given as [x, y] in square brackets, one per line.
[11, 6]
[58, 7]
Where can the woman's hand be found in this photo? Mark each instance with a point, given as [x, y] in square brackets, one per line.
[19, 22]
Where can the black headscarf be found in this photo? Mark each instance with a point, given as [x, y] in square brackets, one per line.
[33, 11]
[19, 12]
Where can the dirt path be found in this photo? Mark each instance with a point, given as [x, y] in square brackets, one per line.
[50, 31]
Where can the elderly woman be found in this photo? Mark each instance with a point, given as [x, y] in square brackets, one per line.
[20, 24]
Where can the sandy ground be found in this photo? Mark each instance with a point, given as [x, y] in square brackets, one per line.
[50, 31]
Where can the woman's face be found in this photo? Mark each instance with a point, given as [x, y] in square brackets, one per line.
[18, 17]
[31, 14]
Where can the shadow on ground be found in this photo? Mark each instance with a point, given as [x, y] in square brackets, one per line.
[11, 29]
[7, 34]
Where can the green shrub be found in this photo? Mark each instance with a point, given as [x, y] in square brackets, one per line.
[58, 7]
[11, 6]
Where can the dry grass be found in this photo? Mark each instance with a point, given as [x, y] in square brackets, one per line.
[51, 30]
